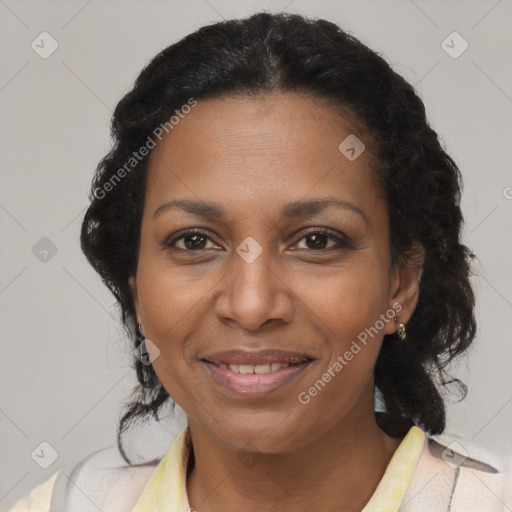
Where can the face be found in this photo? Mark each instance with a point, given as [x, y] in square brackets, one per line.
[292, 254]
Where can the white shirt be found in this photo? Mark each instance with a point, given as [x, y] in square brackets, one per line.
[422, 476]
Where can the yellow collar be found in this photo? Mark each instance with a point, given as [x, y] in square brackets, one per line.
[166, 490]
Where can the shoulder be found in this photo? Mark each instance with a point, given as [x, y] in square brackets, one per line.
[459, 475]
[101, 481]
[39, 498]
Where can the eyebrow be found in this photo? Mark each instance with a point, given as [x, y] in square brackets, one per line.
[296, 209]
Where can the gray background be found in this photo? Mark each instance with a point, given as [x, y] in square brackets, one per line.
[65, 362]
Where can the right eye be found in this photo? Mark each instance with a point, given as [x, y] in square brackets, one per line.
[191, 241]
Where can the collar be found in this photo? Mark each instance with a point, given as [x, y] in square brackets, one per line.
[166, 490]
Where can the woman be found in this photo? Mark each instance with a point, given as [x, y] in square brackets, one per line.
[281, 228]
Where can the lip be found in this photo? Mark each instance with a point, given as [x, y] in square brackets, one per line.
[255, 358]
[253, 384]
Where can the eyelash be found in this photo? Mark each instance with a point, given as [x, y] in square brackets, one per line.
[342, 241]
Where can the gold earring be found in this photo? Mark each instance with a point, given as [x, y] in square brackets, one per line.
[401, 331]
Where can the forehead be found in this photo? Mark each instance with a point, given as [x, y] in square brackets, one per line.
[270, 147]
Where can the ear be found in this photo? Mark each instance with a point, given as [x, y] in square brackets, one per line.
[135, 297]
[405, 285]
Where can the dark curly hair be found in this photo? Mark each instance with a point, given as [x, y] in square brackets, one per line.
[421, 183]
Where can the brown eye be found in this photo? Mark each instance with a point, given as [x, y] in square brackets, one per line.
[190, 241]
[194, 241]
[319, 240]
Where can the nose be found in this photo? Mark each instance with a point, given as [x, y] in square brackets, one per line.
[253, 294]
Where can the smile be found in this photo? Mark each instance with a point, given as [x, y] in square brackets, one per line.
[254, 380]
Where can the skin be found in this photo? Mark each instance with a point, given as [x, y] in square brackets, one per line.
[253, 155]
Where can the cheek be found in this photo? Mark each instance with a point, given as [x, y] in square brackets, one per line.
[347, 300]
[347, 306]
[169, 306]
[167, 292]
[167, 300]
[346, 313]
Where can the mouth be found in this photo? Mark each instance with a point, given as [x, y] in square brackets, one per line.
[254, 380]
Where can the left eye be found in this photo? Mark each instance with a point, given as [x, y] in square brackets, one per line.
[318, 240]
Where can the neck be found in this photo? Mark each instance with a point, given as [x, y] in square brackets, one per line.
[340, 469]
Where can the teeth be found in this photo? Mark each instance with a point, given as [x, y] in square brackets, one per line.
[245, 368]
[262, 368]
[251, 368]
